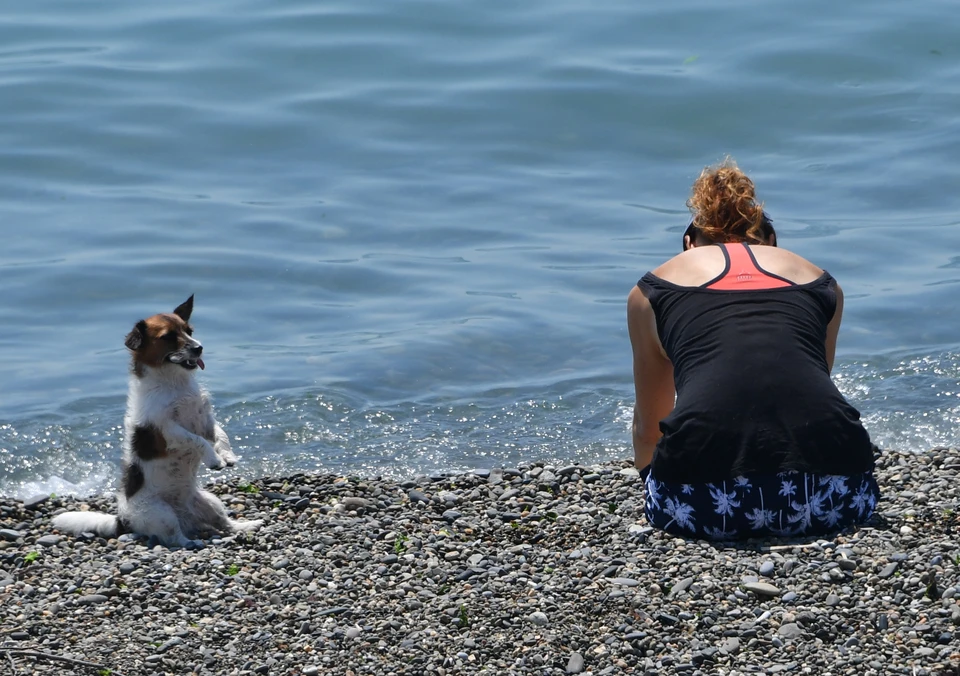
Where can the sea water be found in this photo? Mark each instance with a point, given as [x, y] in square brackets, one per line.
[411, 226]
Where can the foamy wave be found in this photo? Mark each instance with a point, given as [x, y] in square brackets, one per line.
[56, 485]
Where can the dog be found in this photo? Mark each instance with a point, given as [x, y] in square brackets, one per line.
[169, 429]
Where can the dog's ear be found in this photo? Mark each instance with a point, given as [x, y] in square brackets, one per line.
[136, 337]
[185, 309]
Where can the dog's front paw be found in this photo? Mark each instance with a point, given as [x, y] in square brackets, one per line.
[247, 526]
[216, 464]
[227, 456]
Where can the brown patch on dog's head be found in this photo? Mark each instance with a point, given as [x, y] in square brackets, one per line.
[164, 339]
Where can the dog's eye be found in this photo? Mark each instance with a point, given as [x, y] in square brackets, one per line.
[169, 335]
[189, 330]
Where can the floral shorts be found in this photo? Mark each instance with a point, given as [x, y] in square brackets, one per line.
[785, 504]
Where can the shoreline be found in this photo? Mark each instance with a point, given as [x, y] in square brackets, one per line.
[534, 570]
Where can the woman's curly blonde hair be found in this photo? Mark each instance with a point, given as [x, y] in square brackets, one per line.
[724, 205]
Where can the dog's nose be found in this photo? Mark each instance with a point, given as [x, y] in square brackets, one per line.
[198, 349]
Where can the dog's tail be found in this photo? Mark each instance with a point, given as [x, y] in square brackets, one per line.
[76, 523]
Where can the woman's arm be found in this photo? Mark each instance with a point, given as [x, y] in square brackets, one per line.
[652, 378]
[833, 329]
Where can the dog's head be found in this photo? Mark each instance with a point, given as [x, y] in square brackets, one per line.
[165, 339]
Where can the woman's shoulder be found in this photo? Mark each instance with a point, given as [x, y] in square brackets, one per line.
[785, 263]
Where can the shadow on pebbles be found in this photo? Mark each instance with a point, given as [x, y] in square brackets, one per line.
[534, 570]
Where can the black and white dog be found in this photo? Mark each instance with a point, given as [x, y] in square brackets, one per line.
[169, 429]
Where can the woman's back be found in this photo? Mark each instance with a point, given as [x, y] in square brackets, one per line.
[752, 378]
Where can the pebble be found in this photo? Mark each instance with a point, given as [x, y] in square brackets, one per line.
[790, 630]
[418, 496]
[762, 588]
[10, 535]
[539, 569]
[888, 570]
[91, 599]
[539, 619]
[731, 646]
[35, 501]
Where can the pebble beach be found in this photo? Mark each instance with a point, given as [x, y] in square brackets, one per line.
[532, 570]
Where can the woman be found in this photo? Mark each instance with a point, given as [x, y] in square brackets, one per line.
[736, 416]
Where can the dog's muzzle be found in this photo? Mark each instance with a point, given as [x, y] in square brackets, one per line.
[188, 357]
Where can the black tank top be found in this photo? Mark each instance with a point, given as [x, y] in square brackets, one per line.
[754, 394]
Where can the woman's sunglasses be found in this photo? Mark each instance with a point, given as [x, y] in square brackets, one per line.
[692, 231]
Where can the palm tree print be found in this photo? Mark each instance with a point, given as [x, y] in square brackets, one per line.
[653, 493]
[760, 518]
[837, 484]
[787, 488]
[724, 503]
[832, 516]
[681, 513]
[798, 503]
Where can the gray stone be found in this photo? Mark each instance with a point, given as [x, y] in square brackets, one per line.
[169, 643]
[762, 589]
[418, 496]
[888, 570]
[790, 631]
[538, 618]
[35, 501]
[49, 540]
[575, 663]
[91, 599]
[767, 568]
[625, 581]
[355, 503]
[10, 535]
[731, 646]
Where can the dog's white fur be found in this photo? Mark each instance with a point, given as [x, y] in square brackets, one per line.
[169, 429]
